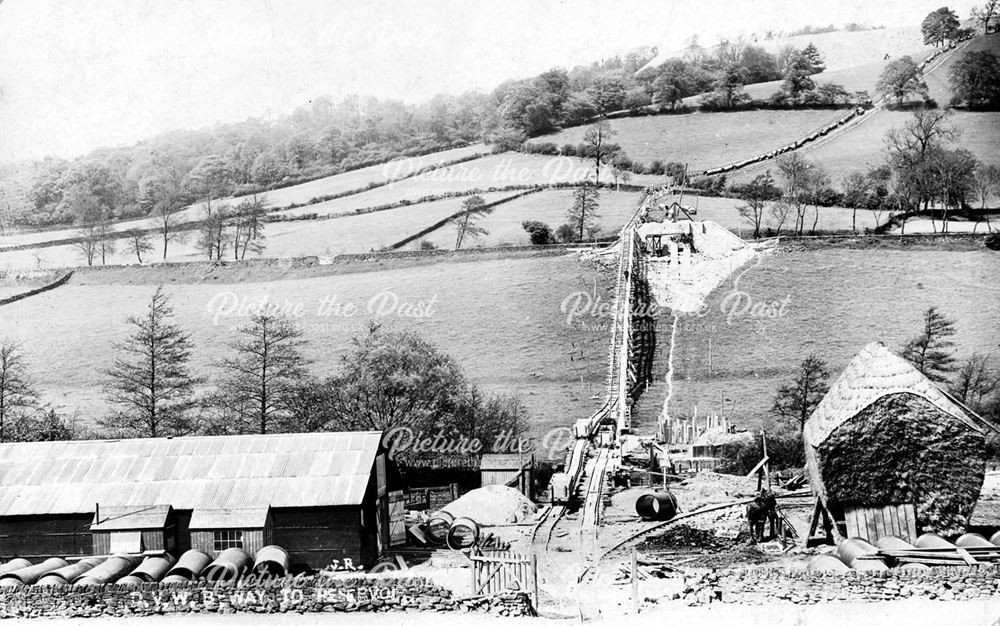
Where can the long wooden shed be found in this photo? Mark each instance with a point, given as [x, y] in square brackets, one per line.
[323, 497]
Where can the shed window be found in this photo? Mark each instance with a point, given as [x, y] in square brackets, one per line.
[128, 542]
[225, 539]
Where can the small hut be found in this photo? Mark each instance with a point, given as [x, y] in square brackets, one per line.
[889, 453]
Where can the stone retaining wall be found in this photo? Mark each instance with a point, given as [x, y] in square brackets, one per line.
[366, 594]
[766, 586]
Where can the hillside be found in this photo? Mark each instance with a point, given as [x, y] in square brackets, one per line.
[704, 140]
[499, 316]
[837, 302]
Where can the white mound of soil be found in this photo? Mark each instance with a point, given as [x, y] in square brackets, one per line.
[493, 505]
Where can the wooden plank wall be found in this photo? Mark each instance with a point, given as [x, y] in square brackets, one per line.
[497, 572]
[871, 523]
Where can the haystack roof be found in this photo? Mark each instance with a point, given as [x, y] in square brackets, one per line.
[874, 373]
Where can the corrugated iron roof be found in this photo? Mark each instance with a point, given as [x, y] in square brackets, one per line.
[131, 517]
[243, 472]
[215, 519]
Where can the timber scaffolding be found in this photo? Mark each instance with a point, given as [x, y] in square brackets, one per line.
[632, 338]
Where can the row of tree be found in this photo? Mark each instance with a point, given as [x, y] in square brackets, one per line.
[264, 386]
[975, 381]
[921, 169]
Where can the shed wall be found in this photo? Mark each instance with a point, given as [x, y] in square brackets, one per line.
[42, 536]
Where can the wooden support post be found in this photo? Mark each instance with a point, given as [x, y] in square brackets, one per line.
[635, 580]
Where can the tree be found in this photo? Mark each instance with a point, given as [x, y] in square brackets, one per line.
[138, 242]
[866, 190]
[931, 352]
[953, 174]
[975, 381]
[796, 401]
[255, 386]
[105, 240]
[213, 236]
[939, 26]
[539, 232]
[598, 146]
[473, 209]
[18, 395]
[248, 224]
[86, 243]
[975, 79]
[393, 379]
[583, 212]
[728, 87]
[803, 180]
[150, 383]
[799, 66]
[910, 148]
[756, 194]
[984, 14]
[163, 198]
[987, 181]
[900, 78]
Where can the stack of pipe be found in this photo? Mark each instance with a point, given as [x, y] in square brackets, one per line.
[109, 571]
[188, 567]
[149, 571]
[66, 575]
[231, 564]
[858, 554]
[31, 574]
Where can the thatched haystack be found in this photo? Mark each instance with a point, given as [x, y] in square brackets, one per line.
[885, 435]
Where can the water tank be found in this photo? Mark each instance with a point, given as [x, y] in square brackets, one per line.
[659, 505]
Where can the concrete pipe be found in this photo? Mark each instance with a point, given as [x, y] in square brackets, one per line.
[826, 563]
[995, 538]
[464, 533]
[892, 542]
[930, 540]
[190, 565]
[973, 540]
[914, 566]
[271, 561]
[31, 574]
[656, 506]
[231, 564]
[14, 565]
[108, 572]
[66, 575]
[859, 554]
[130, 581]
[174, 579]
[437, 527]
[153, 568]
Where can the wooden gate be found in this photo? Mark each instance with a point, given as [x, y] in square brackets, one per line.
[500, 571]
[871, 523]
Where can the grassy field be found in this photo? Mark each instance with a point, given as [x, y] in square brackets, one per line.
[499, 317]
[347, 181]
[864, 145]
[504, 225]
[705, 140]
[343, 235]
[838, 301]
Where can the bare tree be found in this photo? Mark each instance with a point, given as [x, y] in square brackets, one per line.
[984, 14]
[599, 147]
[18, 396]
[248, 223]
[975, 380]
[583, 212]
